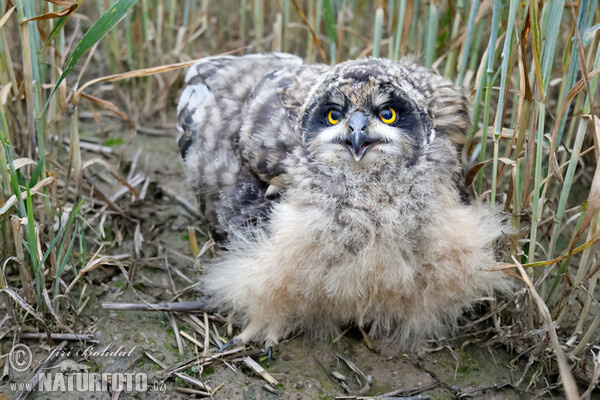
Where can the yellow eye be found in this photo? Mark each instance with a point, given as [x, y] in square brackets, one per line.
[333, 116]
[388, 115]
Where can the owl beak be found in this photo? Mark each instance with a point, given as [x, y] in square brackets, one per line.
[358, 141]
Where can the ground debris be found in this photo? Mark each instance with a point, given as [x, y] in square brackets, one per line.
[253, 365]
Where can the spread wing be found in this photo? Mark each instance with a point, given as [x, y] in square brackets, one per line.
[223, 96]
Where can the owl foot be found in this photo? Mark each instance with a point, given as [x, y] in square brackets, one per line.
[235, 341]
[227, 345]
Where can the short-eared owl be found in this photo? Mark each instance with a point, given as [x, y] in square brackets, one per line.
[335, 190]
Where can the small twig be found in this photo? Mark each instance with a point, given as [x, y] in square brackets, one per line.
[253, 365]
[154, 131]
[50, 308]
[199, 326]
[98, 193]
[367, 339]
[96, 262]
[340, 336]
[93, 147]
[217, 337]
[219, 387]
[193, 241]
[4, 319]
[206, 246]
[58, 336]
[410, 392]
[135, 181]
[595, 375]
[184, 203]
[178, 273]
[171, 281]
[184, 306]
[271, 389]
[181, 375]
[383, 397]
[193, 391]
[23, 303]
[191, 339]
[133, 165]
[173, 322]
[350, 364]
[496, 386]
[206, 335]
[183, 365]
[144, 190]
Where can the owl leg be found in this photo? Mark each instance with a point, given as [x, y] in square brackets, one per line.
[245, 336]
[236, 340]
[249, 332]
[255, 328]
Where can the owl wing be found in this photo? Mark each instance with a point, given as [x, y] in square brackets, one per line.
[222, 84]
[270, 131]
[211, 111]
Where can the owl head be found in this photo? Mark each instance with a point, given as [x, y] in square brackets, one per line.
[378, 111]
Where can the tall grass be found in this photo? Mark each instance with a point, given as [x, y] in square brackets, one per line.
[531, 69]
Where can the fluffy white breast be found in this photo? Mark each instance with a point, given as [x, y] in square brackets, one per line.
[406, 270]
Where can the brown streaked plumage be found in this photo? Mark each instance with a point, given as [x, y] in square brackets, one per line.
[337, 189]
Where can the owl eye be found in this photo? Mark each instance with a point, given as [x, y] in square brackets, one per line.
[333, 116]
[388, 115]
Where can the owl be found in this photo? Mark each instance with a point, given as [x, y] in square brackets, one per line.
[335, 191]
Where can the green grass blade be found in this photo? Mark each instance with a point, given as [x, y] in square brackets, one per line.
[35, 174]
[543, 72]
[60, 23]
[62, 263]
[536, 46]
[551, 35]
[413, 42]
[450, 68]
[32, 248]
[434, 22]
[329, 18]
[467, 44]
[491, 54]
[586, 8]
[378, 31]
[399, 29]
[14, 181]
[62, 231]
[102, 25]
[82, 245]
[536, 216]
[504, 82]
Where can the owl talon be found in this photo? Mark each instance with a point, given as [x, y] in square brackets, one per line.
[269, 355]
[227, 345]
